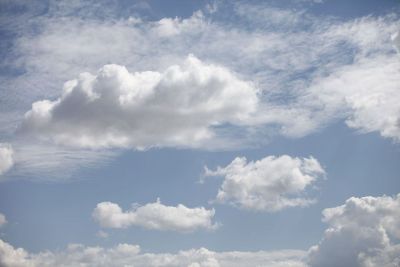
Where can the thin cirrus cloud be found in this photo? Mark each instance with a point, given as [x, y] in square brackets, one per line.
[155, 216]
[116, 108]
[269, 184]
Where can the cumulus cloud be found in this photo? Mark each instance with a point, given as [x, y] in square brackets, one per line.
[362, 232]
[130, 255]
[116, 108]
[3, 219]
[155, 216]
[270, 184]
[6, 157]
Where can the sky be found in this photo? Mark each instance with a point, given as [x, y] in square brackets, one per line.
[200, 133]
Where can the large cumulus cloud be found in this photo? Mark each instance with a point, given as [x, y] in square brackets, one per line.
[362, 232]
[115, 108]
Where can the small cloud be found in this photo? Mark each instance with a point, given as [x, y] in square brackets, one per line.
[102, 234]
[3, 220]
[155, 216]
[270, 184]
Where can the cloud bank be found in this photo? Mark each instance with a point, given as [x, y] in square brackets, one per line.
[155, 216]
[130, 255]
[270, 184]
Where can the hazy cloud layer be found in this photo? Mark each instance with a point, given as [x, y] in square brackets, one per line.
[269, 184]
[155, 216]
[362, 232]
[130, 255]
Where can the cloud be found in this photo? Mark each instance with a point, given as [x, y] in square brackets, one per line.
[130, 255]
[44, 161]
[301, 90]
[6, 157]
[270, 184]
[362, 232]
[102, 234]
[3, 219]
[155, 216]
[268, 45]
[116, 108]
[362, 92]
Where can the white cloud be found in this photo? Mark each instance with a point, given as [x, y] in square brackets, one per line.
[364, 91]
[362, 232]
[309, 69]
[11, 257]
[3, 219]
[124, 255]
[6, 157]
[155, 216]
[270, 184]
[116, 108]
[274, 53]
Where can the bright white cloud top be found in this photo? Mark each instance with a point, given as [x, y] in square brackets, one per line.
[6, 157]
[362, 232]
[155, 216]
[116, 108]
[270, 184]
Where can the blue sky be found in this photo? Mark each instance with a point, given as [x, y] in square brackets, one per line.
[199, 133]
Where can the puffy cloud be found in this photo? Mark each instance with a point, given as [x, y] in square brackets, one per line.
[155, 216]
[11, 257]
[362, 232]
[116, 108]
[130, 255]
[3, 219]
[6, 157]
[270, 184]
